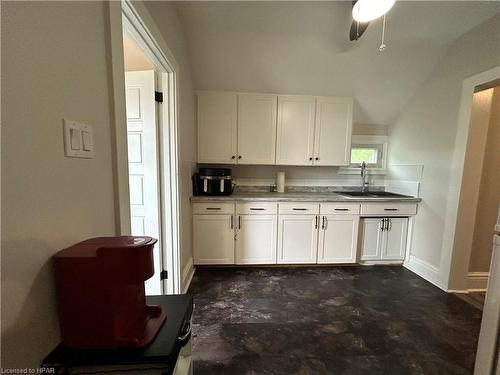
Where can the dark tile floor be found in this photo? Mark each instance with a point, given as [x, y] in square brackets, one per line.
[335, 320]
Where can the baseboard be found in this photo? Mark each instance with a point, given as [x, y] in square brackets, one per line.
[425, 270]
[477, 281]
[187, 275]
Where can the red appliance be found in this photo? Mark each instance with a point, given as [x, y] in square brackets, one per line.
[100, 291]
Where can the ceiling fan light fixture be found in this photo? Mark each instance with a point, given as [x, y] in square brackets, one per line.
[367, 10]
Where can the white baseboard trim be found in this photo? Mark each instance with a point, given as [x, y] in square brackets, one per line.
[477, 281]
[187, 275]
[425, 270]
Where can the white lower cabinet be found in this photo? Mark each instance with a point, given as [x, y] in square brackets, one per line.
[256, 239]
[338, 239]
[213, 239]
[297, 238]
[383, 239]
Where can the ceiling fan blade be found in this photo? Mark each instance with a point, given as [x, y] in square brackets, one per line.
[357, 29]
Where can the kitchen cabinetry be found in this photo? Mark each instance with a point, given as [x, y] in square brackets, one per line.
[332, 138]
[257, 128]
[298, 225]
[240, 128]
[217, 127]
[297, 238]
[383, 239]
[213, 239]
[256, 239]
[338, 239]
[295, 139]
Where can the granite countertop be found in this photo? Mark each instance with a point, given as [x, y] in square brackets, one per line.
[298, 197]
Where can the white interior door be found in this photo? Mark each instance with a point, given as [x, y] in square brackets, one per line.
[338, 239]
[371, 239]
[297, 239]
[332, 144]
[257, 128]
[295, 133]
[143, 164]
[256, 239]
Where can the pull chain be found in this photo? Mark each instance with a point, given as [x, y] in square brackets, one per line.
[382, 44]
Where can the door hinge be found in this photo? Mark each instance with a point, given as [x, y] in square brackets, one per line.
[164, 275]
[159, 96]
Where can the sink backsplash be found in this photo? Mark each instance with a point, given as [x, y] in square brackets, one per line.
[302, 189]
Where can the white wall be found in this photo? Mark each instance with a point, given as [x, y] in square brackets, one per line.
[54, 67]
[425, 133]
[166, 18]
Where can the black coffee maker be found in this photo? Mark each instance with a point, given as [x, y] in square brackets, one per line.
[213, 181]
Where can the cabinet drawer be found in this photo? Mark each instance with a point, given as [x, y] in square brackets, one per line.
[256, 208]
[388, 209]
[339, 209]
[213, 208]
[299, 208]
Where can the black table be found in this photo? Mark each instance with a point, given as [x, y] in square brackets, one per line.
[163, 351]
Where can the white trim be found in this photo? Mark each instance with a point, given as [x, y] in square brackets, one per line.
[187, 275]
[369, 140]
[137, 21]
[119, 120]
[424, 269]
[477, 281]
[454, 266]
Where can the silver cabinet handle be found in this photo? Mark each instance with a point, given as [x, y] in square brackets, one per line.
[257, 209]
[323, 222]
[389, 224]
[239, 222]
[232, 222]
[341, 209]
[316, 219]
[213, 208]
[382, 225]
[391, 209]
[299, 209]
[326, 222]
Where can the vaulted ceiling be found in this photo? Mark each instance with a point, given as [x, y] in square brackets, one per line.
[303, 48]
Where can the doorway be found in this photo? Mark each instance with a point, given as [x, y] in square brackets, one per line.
[151, 148]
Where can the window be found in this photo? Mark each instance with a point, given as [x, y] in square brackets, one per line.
[369, 149]
[360, 154]
[371, 154]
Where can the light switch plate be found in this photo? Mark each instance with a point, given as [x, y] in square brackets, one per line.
[78, 140]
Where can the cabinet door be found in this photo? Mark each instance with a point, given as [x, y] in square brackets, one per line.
[395, 246]
[372, 239]
[332, 145]
[213, 239]
[338, 239]
[257, 128]
[295, 135]
[256, 239]
[297, 239]
[217, 127]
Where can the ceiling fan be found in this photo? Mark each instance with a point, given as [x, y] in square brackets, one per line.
[364, 11]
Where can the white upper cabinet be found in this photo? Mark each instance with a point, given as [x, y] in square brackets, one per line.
[257, 128]
[332, 145]
[241, 128]
[217, 117]
[295, 135]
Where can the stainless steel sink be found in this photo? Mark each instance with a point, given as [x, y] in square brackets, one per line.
[372, 194]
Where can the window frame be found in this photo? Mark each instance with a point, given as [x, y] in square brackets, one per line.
[381, 141]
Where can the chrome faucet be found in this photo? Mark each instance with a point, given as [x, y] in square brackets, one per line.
[364, 177]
